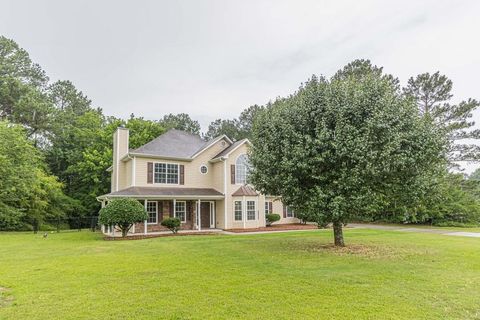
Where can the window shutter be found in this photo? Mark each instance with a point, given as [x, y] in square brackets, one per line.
[232, 174]
[182, 174]
[149, 172]
[284, 211]
[170, 204]
[270, 207]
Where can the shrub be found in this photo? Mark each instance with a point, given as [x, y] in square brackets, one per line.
[122, 213]
[271, 218]
[173, 224]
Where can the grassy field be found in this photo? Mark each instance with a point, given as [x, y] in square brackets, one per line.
[381, 275]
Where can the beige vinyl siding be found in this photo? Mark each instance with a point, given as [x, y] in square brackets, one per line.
[277, 207]
[231, 188]
[220, 214]
[193, 177]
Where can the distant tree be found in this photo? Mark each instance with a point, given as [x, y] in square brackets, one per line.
[86, 176]
[433, 92]
[362, 68]
[475, 175]
[22, 91]
[15, 63]
[181, 121]
[28, 195]
[228, 127]
[247, 118]
[122, 213]
[336, 150]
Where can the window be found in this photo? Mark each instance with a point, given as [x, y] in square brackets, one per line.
[268, 207]
[166, 173]
[180, 211]
[290, 213]
[152, 212]
[203, 169]
[241, 169]
[250, 210]
[238, 210]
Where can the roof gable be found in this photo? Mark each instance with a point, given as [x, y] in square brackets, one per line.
[173, 143]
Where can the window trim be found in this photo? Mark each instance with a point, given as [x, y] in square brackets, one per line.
[235, 210]
[291, 210]
[200, 169]
[254, 210]
[166, 183]
[184, 208]
[267, 207]
[236, 170]
[156, 212]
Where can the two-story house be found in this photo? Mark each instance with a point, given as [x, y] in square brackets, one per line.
[203, 183]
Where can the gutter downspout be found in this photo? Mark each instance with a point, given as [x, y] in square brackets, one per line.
[225, 191]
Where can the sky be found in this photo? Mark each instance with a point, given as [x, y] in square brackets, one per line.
[212, 59]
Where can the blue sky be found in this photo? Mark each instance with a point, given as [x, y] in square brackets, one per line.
[212, 59]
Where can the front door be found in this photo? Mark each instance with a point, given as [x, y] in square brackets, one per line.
[205, 214]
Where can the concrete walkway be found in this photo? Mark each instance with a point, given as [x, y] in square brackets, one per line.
[410, 229]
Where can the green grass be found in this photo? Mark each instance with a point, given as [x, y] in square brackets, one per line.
[381, 275]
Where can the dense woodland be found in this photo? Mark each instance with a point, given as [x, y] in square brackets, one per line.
[56, 144]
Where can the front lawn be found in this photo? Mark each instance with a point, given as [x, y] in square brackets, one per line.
[381, 275]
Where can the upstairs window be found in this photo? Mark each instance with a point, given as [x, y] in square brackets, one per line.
[166, 173]
[241, 169]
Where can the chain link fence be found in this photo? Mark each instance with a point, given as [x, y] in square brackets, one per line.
[72, 223]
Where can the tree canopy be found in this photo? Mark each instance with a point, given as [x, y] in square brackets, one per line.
[339, 149]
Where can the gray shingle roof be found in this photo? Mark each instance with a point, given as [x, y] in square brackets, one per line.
[227, 150]
[245, 191]
[164, 191]
[173, 143]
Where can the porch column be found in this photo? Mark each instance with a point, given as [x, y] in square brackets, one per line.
[244, 213]
[103, 226]
[199, 216]
[145, 222]
[174, 208]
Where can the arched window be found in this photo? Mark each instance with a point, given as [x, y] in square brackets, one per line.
[241, 169]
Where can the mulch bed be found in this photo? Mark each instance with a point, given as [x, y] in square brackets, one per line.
[277, 227]
[147, 236]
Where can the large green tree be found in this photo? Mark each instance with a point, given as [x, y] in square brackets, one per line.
[337, 150]
[88, 175]
[181, 121]
[433, 93]
[28, 194]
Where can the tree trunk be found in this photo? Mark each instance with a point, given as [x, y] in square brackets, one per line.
[125, 228]
[338, 234]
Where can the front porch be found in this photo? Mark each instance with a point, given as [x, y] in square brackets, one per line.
[194, 214]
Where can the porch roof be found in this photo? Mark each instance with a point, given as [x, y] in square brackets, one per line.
[164, 193]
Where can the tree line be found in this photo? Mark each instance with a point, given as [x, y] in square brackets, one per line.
[55, 144]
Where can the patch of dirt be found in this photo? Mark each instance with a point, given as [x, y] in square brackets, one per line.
[277, 227]
[369, 251]
[5, 298]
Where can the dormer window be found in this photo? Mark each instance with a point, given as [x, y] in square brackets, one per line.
[241, 169]
[166, 173]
